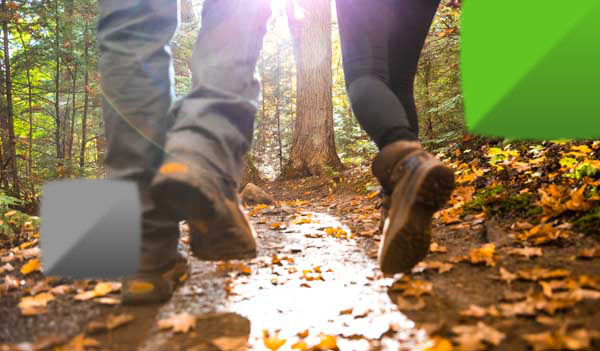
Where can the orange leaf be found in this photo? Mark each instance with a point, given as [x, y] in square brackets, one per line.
[31, 266]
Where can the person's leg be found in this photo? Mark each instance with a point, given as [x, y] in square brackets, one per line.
[213, 130]
[410, 29]
[365, 29]
[414, 183]
[215, 121]
[136, 80]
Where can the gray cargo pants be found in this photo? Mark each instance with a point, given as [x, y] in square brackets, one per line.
[214, 121]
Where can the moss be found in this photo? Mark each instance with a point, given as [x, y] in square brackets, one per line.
[482, 197]
[497, 202]
[589, 223]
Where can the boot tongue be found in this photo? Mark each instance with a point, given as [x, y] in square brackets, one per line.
[385, 163]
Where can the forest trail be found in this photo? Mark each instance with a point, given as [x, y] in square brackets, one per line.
[315, 285]
[303, 282]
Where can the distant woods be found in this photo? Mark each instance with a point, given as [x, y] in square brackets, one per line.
[50, 100]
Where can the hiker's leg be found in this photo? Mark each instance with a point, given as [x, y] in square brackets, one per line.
[215, 121]
[136, 79]
[413, 19]
[365, 29]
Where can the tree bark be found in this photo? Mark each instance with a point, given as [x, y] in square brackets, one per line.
[187, 12]
[8, 140]
[30, 112]
[86, 99]
[57, 116]
[278, 112]
[313, 144]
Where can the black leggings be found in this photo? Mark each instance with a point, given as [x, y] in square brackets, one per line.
[381, 45]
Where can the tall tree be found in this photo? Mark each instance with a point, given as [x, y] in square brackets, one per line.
[86, 99]
[8, 130]
[313, 144]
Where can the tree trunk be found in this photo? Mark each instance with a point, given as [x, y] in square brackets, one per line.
[187, 12]
[3, 136]
[278, 112]
[313, 144]
[8, 140]
[30, 113]
[86, 100]
[69, 148]
[57, 116]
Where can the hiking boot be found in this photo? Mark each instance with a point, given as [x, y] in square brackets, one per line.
[154, 286]
[415, 185]
[219, 229]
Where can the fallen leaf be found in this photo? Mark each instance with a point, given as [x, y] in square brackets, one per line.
[406, 305]
[521, 308]
[85, 295]
[484, 254]
[440, 344]
[472, 338]
[225, 343]
[272, 342]
[7, 268]
[32, 305]
[512, 296]
[337, 232]
[435, 247]
[101, 289]
[278, 226]
[80, 343]
[413, 287]
[543, 234]
[441, 267]
[578, 202]
[180, 323]
[108, 300]
[536, 274]
[111, 322]
[61, 289]
[526, 251]
[589, 253]
[559, 340]
[479, 312]
[327, 342]
[507, 276]
[31, 266]
[10, 283]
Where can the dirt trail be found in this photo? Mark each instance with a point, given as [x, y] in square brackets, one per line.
[316, 280]
[303, 280]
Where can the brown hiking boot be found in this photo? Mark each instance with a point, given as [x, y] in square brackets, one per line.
[415, 185]
[155, 286]
[219, 229]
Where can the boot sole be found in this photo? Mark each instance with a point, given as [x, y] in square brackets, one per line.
[407, 230]
[186, 202]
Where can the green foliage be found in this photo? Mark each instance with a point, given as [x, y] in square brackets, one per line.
[496, 201]
[589, 223]
[12, 221]
[585, 169]
[482, 197]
